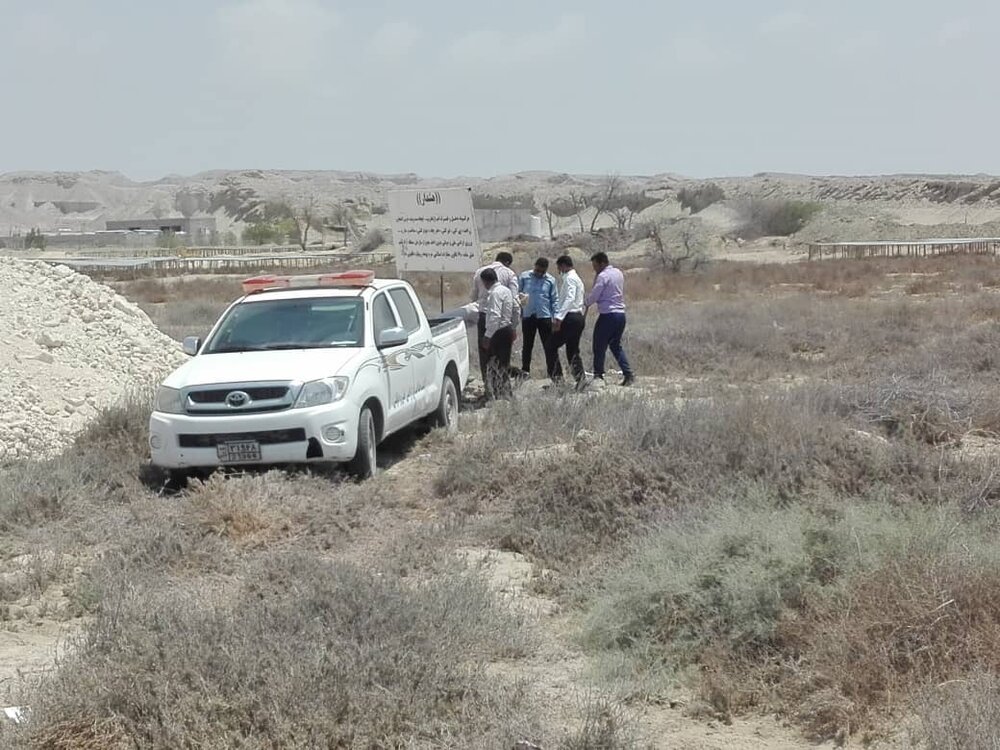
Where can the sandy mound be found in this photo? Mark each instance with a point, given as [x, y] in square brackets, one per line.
[68, 347]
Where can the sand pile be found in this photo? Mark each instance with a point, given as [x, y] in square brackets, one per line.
[68, 348]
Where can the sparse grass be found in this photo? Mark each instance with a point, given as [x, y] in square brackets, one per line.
[299, 654]
[652, 458]
[784, 518]
[606, 726]
[182, 307]
[104, 467]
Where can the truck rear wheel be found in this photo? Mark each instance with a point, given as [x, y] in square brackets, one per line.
[363, 465]
[446, 415]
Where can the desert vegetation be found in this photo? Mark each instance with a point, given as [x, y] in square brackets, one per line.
[699, 197]
[768, 217]
[793, 514]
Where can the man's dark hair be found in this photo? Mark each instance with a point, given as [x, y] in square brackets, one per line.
[601, 258]
[564, 261]
[504, 257]
[542, 263]
[489, 276]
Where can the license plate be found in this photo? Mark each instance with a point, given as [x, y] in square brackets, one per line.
[245, 451]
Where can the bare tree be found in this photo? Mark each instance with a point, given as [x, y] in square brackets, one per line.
[580, 201]
[305, 214]
[344, 217]
[605, 198]
[543, 204]
[624, 208]
[553, 204]
[679, 243]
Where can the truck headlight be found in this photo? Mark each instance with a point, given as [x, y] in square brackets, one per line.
[319, 392]
[169, 401]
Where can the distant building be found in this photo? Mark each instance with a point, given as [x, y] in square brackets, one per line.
[192, 231]
[499, 224]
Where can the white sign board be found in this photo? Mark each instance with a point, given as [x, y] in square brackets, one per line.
[435, 230]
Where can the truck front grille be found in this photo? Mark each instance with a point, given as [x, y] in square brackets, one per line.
[230, 399]
[266, 437]
[218, 395]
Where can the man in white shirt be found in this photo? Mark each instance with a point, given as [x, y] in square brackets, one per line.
[498, 339]
[508, 279]
[568, 322]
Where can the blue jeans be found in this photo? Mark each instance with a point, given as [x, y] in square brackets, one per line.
[608, 334]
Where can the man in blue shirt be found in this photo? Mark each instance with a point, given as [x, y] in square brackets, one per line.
[539, 297]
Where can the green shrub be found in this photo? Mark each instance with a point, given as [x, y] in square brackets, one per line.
[264, 233]
[848, 611]
[774, 218]
[700, 197]
[34, 240]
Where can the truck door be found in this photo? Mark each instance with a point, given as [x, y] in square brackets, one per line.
[423, 356]
[398, 374]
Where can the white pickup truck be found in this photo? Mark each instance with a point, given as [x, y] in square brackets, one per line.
[307, 369]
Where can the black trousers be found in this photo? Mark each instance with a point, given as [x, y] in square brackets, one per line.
[498, 363]
[543, 327]
[568, 335]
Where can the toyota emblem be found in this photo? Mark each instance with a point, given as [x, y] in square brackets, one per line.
[237, 400]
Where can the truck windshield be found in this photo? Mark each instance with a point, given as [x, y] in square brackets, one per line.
[310, 323]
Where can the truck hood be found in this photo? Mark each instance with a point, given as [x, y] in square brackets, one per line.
[248, 367]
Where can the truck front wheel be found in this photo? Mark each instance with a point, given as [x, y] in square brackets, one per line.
[363, 464]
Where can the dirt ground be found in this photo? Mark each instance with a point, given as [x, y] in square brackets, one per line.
[32, 637]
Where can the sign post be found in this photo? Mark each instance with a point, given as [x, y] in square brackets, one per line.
[435, 230]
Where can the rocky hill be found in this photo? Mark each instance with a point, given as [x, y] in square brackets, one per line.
[85, 200]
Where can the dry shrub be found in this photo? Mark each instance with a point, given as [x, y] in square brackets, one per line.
[927, 285]
[606, 726]
[931, 407]
[303, 654]
[152, 291]
[197, 289]
[217, 526]
[182, 307]
[651, 458]
[583, 505]
[836, 617]
[373, 240]
[31, 574]
[922, 619]
[104, 467]
[83, 735]
[249, 510]
[962, 714]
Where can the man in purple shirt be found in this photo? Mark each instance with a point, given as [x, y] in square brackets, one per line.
[608, 294]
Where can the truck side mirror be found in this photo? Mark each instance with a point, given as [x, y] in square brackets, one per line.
[191, 345]
[390, 337]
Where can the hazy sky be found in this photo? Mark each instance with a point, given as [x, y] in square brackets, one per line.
[466, 87]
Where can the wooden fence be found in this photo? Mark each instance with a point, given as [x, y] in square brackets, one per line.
[173, 265]
[904, 249]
